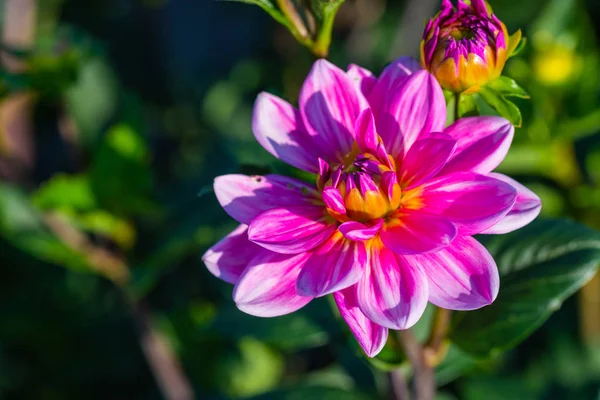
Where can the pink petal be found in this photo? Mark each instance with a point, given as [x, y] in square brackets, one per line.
[391, 77]
[370, 336]
[416, 107]
[417, 232]
[267, 287]
[366, 135]
[426, 157]
[482, 143]
[330, 103]
[526, 208]
[291, 230]
[244, 197]
[471, 201]
[462, 276]
[393, 293]
[227, 259]
[362, 77]
[335, 265]
[356, 231]
[278, 127]
[332, 197]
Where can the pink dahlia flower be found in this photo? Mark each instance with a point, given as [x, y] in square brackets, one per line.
[388, 224]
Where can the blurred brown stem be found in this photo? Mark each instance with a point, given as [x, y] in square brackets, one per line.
[17, 150]
[398, 386]
[436, 347]
[160, 355]
[423, 374]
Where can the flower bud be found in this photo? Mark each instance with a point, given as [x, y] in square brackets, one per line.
[467, 47]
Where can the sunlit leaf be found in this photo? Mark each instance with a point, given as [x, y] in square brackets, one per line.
[506, 86]
[23, 226]
[504, 107]
[65, 191]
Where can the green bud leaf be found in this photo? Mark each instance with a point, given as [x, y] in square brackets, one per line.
[508, 87]
[504, 107]
[540, 265]
[519, 48]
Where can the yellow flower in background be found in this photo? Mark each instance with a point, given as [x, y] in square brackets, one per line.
[556, 65]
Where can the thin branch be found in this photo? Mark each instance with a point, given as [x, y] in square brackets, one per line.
[160, 355]
[398, 386]
[436, 345]
[423, 374]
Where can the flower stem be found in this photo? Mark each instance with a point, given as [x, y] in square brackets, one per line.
[297, 26]
[423, 374]
[456, 103]
[436, 346]
[398, 386]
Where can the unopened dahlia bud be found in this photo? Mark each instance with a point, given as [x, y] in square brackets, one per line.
[466, 47]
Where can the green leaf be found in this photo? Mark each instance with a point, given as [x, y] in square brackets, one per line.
[504, 107]
[62, 191]
[508, 87]
[248, 369]
[23, 226]
[540, 266]
[467, 106]
[120, 175]
[92, 100]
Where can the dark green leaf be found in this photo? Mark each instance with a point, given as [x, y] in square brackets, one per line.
[300, 330]
[120, 174]
[504, 107]
[508, 87]
[540, 266]
[305, 392]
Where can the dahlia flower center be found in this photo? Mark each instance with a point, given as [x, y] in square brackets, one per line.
[366, 189]
[463, 33]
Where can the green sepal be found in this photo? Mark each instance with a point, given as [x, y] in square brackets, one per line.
[504, 107]
[519, 48]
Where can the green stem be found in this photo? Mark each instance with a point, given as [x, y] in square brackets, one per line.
[323, 41]
[299, 29]
[456, 103]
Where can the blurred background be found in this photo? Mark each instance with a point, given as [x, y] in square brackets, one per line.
[116, 115]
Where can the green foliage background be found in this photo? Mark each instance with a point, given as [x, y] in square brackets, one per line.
[106, 206]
